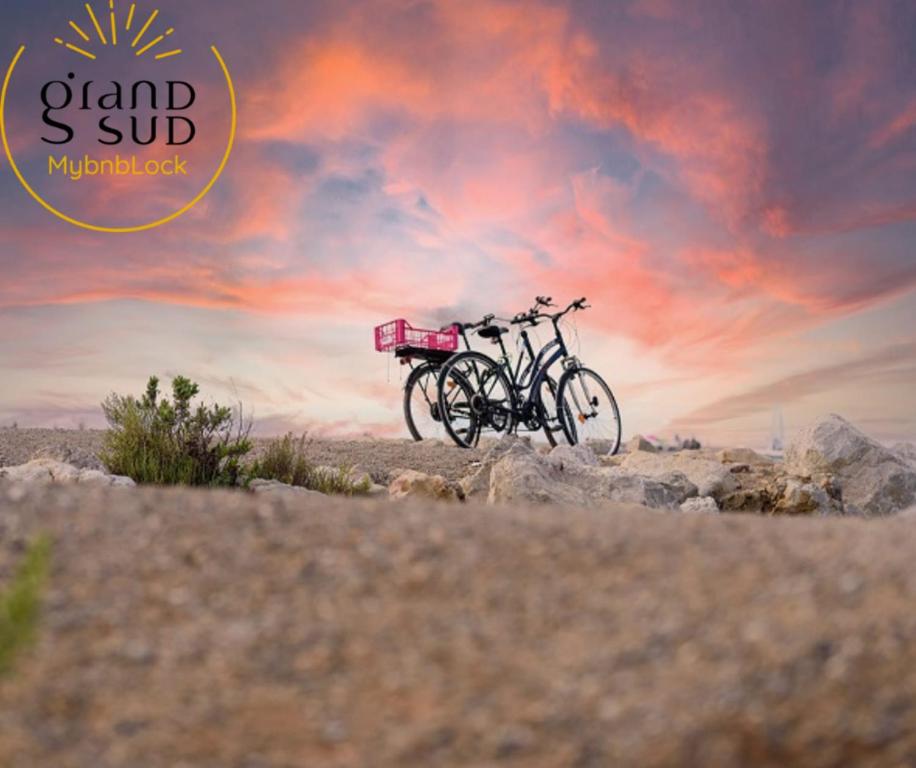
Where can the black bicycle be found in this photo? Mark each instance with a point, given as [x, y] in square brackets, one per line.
[421, 404]
[477, 393]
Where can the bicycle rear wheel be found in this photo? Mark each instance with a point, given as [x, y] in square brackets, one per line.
[548, 412]
[421, 403]
[588, 411]
[475, 396]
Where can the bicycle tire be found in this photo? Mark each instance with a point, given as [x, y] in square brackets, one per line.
[566, 411]
[483, 417]
[418, 373]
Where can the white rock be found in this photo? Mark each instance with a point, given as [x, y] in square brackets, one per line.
[529, 477]
[276, 488]
[524, 475]
[477, 483]
[664, 491]
[412, 484]
[710, 476]
[51, 471]
[742, 456]
[568, 455]
[907, 452]
[34, 473]
[65, 473]
[873, 479]
[94, 478]
[639, 443]
[701, 505]
[807, 498]
[377, 491]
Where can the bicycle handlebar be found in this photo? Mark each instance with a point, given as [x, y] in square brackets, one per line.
[534, 315]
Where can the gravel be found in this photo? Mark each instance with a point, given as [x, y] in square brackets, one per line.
[378, 457]
[218, 630]
[78, 447]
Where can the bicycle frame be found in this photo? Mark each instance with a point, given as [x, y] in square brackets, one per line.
[532, 376]
[542, 363]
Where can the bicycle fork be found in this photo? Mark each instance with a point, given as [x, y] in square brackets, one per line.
[592, 402]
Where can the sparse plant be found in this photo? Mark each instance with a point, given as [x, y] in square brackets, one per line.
[19, 603]
[286, 460]
[339, 480]
[169, 442]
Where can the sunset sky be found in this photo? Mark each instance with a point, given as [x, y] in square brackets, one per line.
[731, 184]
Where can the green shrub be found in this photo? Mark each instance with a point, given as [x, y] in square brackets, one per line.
[286, 460]
[19, 603]
[168, 442]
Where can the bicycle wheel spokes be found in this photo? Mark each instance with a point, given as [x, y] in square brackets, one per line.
[475, 397]
[423, 405]
[494, 402]
[589, 411]
[456, 411]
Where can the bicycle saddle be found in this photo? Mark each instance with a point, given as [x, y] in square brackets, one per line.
[492, 332]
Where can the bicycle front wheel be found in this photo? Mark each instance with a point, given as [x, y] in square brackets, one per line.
[475, 396]
[588, 411]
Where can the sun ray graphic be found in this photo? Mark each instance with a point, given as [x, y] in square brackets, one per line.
[75, 49]
[143, 29]
[95, 23]
[112, 37]
[79, 31]
[155, 42]
[114, 23]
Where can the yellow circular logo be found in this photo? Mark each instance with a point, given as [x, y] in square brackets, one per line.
[138, 129]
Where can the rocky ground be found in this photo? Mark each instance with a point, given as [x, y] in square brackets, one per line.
[571, 611]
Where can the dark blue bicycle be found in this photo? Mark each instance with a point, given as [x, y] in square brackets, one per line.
[478, 393]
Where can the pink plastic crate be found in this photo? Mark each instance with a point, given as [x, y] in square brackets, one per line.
[399, 333]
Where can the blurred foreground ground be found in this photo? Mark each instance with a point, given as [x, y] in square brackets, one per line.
[216, 629]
